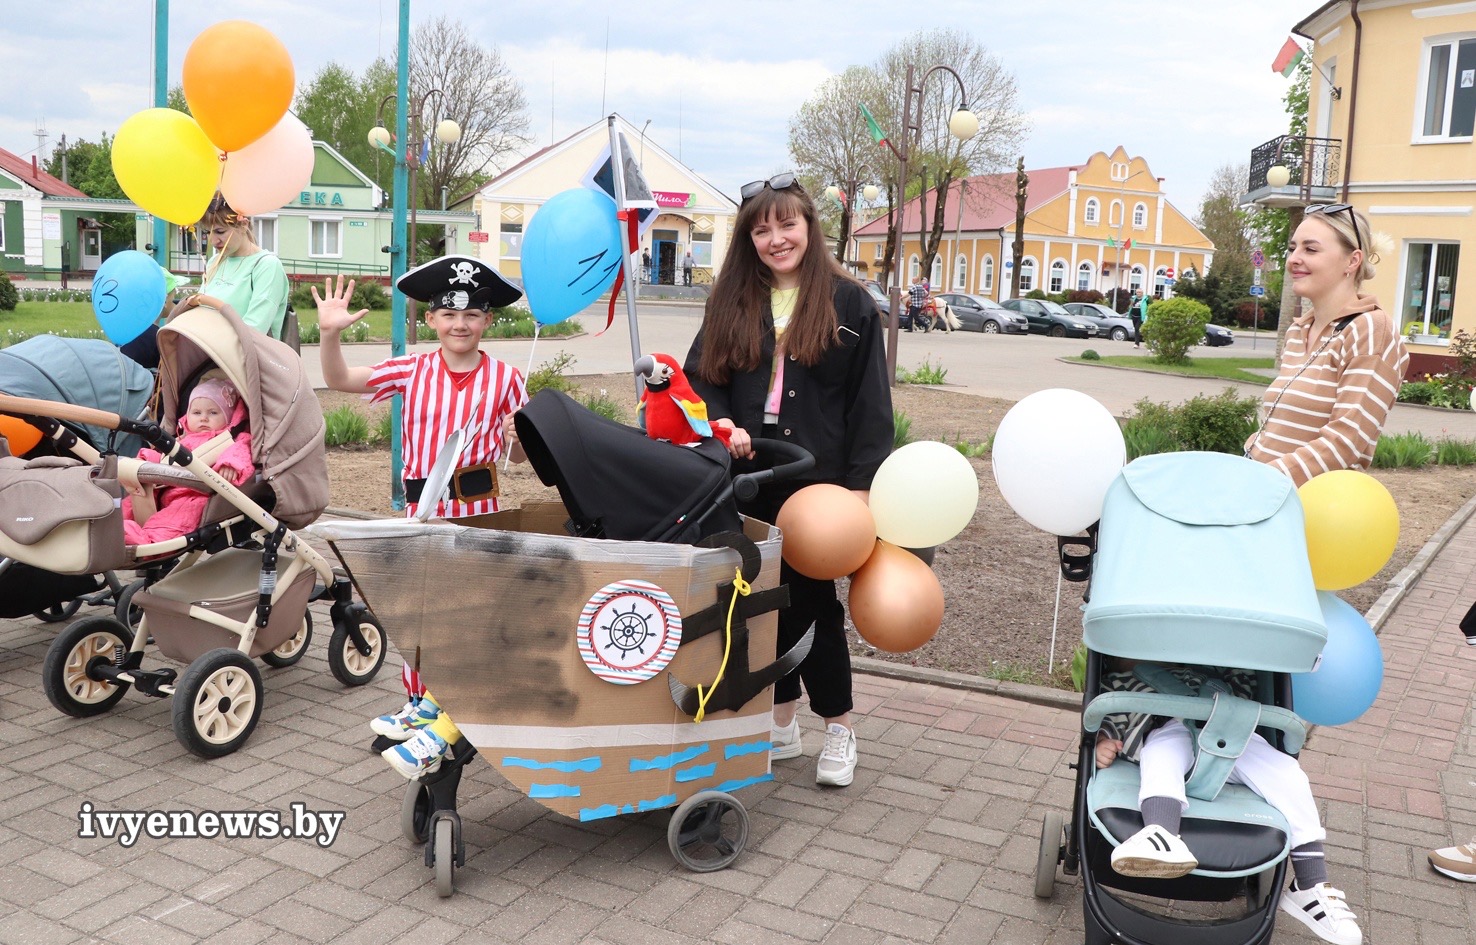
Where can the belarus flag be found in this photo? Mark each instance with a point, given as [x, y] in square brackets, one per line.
[1287, 59]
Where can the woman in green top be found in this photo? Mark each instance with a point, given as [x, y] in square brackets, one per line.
[241, 274]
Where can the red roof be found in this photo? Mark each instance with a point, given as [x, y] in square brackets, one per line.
[32, 174]
[988, 204]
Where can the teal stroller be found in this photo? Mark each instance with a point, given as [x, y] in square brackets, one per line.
[1199, 558]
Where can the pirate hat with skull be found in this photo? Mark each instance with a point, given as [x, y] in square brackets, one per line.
[459, 283]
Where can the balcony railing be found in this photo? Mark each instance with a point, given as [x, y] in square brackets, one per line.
[1314, 164]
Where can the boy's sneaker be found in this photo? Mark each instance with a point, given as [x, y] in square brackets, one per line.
[837, 765]
[1456, 862]
[416, 715]
[419, 756]
[1325, 911]
[1153, 853]
[785, 742]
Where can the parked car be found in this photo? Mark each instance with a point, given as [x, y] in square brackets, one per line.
[1109, 323]
[883, 304]
[978, 313]
[1217, 336]
[1048, 318]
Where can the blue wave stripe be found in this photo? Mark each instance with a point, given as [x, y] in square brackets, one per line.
[553, 790]
[665, 800]
[750, 748]
[665, 762]
[567, 767]
[742, 783]
[598, 813]
[696, 772]
[612, 810]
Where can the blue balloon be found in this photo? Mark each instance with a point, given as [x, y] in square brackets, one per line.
[1347, 680]
[571, 253]
[128, 293]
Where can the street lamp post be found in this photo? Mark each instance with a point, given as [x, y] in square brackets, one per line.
[446, 132]
[963, 125]
[846, 195]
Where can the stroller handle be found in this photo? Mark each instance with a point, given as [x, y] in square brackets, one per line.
[31, 407]
[746, 486]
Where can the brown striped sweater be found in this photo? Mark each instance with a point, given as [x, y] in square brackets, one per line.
[1326, 407]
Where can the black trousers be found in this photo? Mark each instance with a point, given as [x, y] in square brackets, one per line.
[826, 672]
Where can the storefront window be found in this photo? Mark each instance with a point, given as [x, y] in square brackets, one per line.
[702, 250]
[1427, 299]
[325, 238]
[510, 242]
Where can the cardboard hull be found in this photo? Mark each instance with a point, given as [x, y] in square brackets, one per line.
[492, 612]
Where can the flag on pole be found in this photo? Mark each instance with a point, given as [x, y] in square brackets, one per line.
[1287, 59]
[877, 134]
[1111, 241]
[1129, 244]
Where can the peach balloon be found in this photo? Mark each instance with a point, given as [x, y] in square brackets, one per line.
[828, 531]
[896, 601]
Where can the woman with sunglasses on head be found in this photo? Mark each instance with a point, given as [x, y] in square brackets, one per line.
[1343, 361]
[791, 349]
[242, 274]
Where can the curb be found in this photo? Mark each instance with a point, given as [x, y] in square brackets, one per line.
[1022, 692]
[1404, 581]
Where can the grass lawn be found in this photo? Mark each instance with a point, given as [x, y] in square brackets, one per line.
[1231, 369]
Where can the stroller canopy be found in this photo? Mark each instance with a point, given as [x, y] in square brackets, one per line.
[85, 372]
[286, 419]
[616, 482]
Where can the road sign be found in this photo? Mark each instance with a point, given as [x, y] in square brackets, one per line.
[1168, 281]
[476, 236]
[1256, 277]
[1009, 264]
[1258, 259]
[1169, 273]
[1258, 290]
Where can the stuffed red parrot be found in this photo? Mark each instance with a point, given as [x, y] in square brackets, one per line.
[670, 410]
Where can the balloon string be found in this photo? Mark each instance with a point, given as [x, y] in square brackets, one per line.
[536, 329]
[740, 586]
[1051, 661]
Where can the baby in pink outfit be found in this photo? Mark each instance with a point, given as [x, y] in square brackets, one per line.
[214, 405]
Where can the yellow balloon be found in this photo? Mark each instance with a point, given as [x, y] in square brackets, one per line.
[166, 164]
[1352, 527]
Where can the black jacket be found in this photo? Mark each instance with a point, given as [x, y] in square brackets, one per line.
[840, 409]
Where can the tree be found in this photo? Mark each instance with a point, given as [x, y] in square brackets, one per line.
[89, 168]
[339, 108]
[938, 158]
[830, 143]
[1222, 219]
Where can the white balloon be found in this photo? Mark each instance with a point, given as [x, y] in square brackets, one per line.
[1055, 454]
[923, 495]
[269, 171]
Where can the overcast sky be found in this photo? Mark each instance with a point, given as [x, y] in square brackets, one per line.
[1188, 86]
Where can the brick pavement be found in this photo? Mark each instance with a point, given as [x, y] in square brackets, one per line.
[934, 842]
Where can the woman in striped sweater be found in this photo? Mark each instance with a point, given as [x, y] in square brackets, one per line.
[1343, 362]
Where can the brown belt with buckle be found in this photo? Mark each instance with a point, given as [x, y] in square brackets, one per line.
[468, 484]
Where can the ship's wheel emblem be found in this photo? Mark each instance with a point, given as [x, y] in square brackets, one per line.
[629, 631]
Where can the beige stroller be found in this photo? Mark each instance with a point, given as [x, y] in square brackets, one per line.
[216, 611]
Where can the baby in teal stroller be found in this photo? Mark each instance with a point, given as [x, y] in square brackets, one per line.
[1201, 603]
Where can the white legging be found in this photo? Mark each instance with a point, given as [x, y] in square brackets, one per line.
[1168, 754]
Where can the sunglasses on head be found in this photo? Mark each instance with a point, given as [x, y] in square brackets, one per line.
[1328, 209]
[777, 182]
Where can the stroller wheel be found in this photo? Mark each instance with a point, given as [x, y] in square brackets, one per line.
[217, 703]
[444, 842]
[295, 648]
[352, 667]
[708, 831]
[57, 613]
[415, 812]
[1052, 836]
[125, 610]
[82, 646]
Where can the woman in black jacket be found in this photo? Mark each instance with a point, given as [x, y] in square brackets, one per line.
[825, 390]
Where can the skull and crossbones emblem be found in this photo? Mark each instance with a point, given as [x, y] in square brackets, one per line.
[464, 272]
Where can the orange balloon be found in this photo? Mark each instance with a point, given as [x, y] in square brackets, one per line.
[896, 601]
[20, 437]
[828, 531]
[238, 80]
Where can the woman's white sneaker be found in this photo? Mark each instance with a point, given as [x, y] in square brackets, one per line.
[837, 764]
[785, 742]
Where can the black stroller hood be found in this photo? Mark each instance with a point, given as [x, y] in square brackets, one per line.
[618, 483]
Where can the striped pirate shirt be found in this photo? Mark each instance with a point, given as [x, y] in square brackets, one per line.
[1327, 405]
[436, 405]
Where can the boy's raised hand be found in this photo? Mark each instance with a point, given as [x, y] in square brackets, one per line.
[333, 305]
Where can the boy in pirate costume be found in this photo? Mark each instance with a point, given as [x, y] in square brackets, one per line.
[452, 386]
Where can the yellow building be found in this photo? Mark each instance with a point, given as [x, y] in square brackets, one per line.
[693, 214]
[1390, 130]
[1105, 224]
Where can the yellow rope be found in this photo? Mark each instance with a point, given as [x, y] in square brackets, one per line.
[740, 586]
